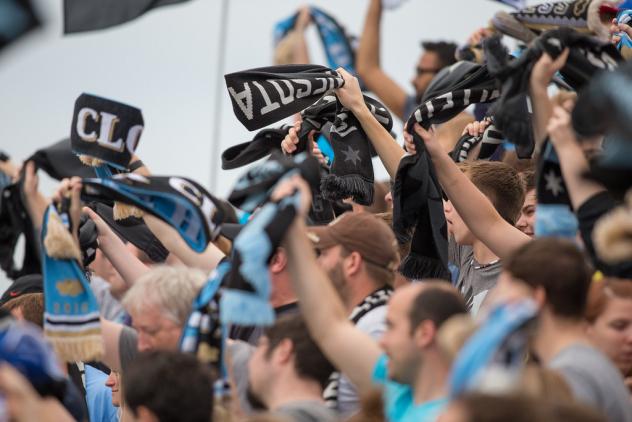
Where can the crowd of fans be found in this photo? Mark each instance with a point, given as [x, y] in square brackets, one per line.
[513, 303]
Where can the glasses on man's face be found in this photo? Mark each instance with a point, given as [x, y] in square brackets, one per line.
[423, 70]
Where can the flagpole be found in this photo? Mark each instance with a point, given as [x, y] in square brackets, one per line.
[221, 58]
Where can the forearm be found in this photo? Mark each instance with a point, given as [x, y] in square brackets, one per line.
[300, 51]
[476, 209]
[388, 150]
[318, 300]
[574, 164]
[122, 259]
[542, 111]
[368, 54]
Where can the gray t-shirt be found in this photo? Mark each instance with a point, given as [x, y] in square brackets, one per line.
[306, 411]
[474, 280]
[594, 380]
[109, 307]
[128, 346]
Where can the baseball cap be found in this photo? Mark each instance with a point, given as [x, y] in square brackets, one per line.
[361, 232]
[31, 283]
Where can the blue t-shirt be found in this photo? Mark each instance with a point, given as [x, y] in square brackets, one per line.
[398, 399]
[99, 397]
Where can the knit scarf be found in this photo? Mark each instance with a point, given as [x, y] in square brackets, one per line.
[490, 140]
[378, 298]
[336, 42]
[266, 95]
[417, 198]
[264, 142]
[513, 113]
[554, 216]
[71, 312]
[182, 203]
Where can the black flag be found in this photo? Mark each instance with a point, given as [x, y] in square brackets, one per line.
[89, 15]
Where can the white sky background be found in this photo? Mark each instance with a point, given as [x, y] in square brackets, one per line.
[165, 63]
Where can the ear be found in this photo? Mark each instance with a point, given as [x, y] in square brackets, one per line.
[353, 263]
[145, 415]
[278, 261]
[424, 334]
[284, 352]
[539, 295]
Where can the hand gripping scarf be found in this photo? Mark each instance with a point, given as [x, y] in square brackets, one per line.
[417, 199]
[336, 42]
[498, 347]
[512, 113]
[490, 140]
[266, 95]
[182, 203]
[71, 312]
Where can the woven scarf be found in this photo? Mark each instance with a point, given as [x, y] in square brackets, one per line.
[378, 298]
[554, 216]
[182, 203]
[417, 198]
[512, 112]
[266, 95]
[490, 140]
[336, 42]
[71, 312]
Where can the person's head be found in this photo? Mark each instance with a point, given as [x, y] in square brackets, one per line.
[500, 183]
[481, 407]
[113, 382]
[29, 307]
[609, 315]
[282, 291]
[526, 221]
[159, 303]
[435, 56]
[354, 249]
[286, 353]
[167, 386]
[553, 272]
[414, 316]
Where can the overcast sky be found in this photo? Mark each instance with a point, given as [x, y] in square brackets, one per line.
[165, 63]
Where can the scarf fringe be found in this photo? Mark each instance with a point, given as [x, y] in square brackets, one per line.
[336, 188]
[419, 267]
[58, 242]
[121, 211]
[241, 308]
[76, 348]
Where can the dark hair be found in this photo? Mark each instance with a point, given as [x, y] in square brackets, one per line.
[437, 302]
[500, 183]
[31, 305]
[174, 386]
[528, 178]
[558, 266]
[445, 50]
[310, 362]
[602, 291]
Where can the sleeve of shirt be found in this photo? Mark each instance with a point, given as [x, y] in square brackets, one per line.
[380, 371]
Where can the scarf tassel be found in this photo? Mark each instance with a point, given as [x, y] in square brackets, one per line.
[341, 187]
[418, 267]
[81, 347]
[58, 242]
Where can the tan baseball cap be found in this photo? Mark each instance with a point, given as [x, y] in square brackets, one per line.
[361, 232]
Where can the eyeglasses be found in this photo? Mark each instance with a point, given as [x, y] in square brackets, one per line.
[421, 70]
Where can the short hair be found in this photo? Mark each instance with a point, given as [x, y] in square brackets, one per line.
[500, 183]
[446, 51]
[438, 301]
[174, 386]
[309, 360]
[528, 179]
[171, 289]
[31, 305]
[600, 293]
[559, 267]
[381, 276]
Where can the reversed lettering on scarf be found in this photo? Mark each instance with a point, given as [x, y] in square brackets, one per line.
[107, 124]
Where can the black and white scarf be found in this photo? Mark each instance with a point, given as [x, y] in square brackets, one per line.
[378, 298]
[266, 95]
[490, 140]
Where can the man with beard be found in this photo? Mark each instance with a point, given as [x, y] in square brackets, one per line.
[436, 56]
[359, 253]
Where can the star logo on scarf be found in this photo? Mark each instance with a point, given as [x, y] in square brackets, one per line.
[352, 155]
[553, 183]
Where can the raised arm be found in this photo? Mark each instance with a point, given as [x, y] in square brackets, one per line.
[473, 206]
[368, 63]
[349, 349]
[205, 261]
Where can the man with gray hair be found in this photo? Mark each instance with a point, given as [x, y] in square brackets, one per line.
[159, 303]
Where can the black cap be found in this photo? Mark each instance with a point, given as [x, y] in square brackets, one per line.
[31, 283]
